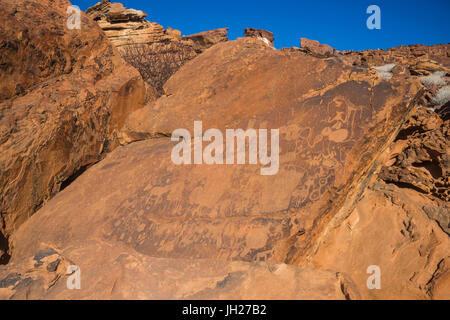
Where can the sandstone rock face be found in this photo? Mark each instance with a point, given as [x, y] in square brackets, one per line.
[133, 275]
[335, 122]
[426, 67]
[422, 159]
[316, 48]
[260, 34]
[128, 26]
[418, 59]
[75, 92]
[125, 27]
[402, 226]
[236, 56]
[362, 180]
[400, 222]
[388, 227]
[154, 51]
[207, 39]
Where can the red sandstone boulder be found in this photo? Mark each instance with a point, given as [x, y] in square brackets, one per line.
[362, 180]
[315, 47]
[63, 96]
[259, 34]
[206, 39]
[335, 123]
[115, 271]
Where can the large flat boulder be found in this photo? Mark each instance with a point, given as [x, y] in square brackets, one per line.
[334, 121]
[359, 181]
[64, 94]
[389, 228]
[115, 271]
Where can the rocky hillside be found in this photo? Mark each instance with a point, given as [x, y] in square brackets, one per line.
[87, 176]
[64, 95]
[157, 53]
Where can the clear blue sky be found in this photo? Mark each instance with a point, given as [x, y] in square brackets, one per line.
[339, 23]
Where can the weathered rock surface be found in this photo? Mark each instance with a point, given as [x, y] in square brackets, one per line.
[416, 59]
[335, 121]
[115, 271]
[388, 227]
[206, 39]
[402, 226]
[426, 67]
[75, 91]
[422, 157]
[185, 101]
[124, 27]
[154, 51]
[260, 34]
[362, 181]
[316, 48]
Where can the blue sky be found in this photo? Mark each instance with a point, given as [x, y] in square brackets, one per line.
[341, 24]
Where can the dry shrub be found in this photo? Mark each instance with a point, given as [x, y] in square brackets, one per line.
[157, 62]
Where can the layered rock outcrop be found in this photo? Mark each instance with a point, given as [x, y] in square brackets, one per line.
[154, 51]
[400, 222]
[206, 39]
[361, 181]
[263, 35]
[335, 124]
[418, 59]
[125, 26]
[422, 155]
[135, 275]
[316, 48]
[64, 96]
